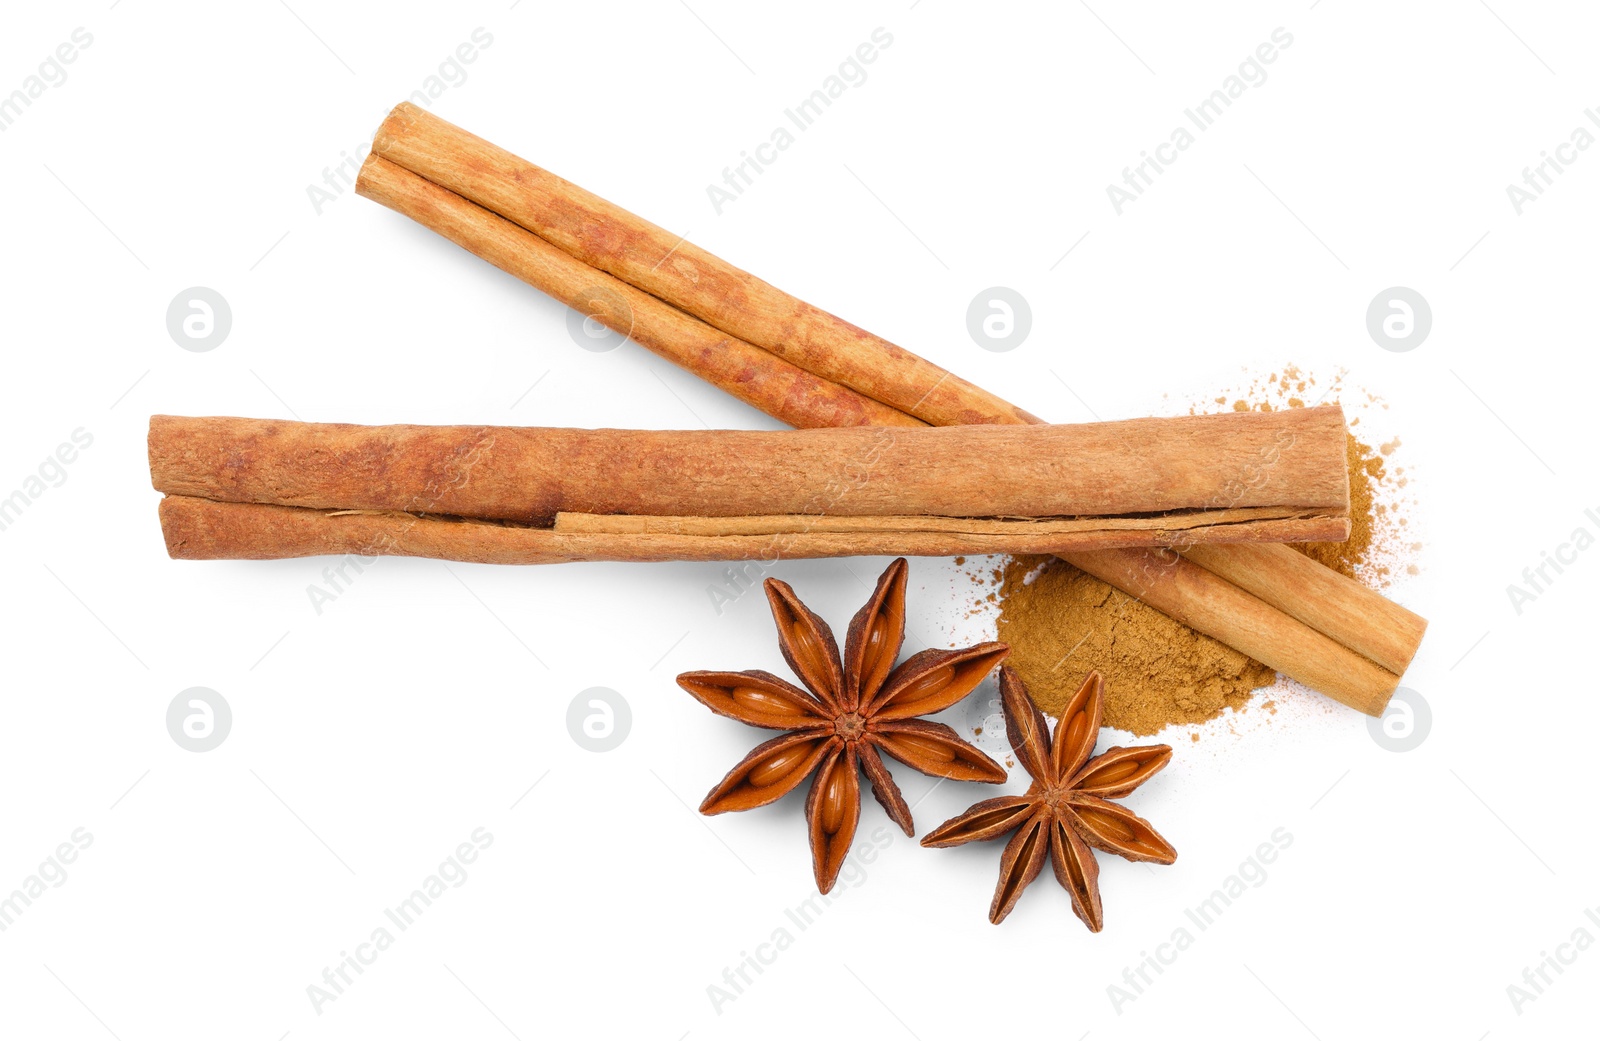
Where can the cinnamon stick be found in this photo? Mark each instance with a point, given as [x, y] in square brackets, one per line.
[1137, 482]
[609, 238]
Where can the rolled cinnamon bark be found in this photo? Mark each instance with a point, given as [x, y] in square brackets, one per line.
[1137, 482]
[609, 238]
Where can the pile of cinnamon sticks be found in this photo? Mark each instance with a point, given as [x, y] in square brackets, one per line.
[809, 369]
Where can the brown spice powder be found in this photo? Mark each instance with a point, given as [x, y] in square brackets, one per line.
[1366, 470]
[1378, 543]
[1158, 671]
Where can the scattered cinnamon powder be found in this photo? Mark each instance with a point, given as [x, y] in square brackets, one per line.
[1061, 622]
[1378, 542]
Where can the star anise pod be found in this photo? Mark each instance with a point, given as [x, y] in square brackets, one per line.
[856, 708]
[1068, 807]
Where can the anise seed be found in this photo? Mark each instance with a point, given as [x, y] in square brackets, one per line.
[1112, 774]
[763, 701]
[877, 641]
[1075, 729]
[833, 804]
[805, 645]
[926, 686]
[936, 751]
[1114, 826]
[777, 767]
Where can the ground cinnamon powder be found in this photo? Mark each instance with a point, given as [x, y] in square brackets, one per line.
[1347, 558]
[1061, 622]
[1378, 541]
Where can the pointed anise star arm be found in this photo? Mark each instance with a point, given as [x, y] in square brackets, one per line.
[1078, 729]
[1118, 771]
[883, 787]
[876, 632]
[832, 811]
[1025, 726]
[772, 770]
[1117, 829]
[807, 644]
[933, 680]
[936, 750]
[1020, 864]
[1077, 871]
[755, 697]
[983, 821]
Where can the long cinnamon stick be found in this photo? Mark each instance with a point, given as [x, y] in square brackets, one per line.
[1138, 482]
[609, 238]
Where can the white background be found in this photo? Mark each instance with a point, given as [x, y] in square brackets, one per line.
[371, 739]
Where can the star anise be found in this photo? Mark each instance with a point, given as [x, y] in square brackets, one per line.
[1067, 809]
[857, 707]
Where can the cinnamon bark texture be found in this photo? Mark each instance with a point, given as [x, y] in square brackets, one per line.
[1290, 593]
[608, 238]
[1214, 472]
